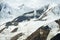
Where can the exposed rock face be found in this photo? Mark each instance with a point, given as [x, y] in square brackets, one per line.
[0, 7]
[58, 21]
[57, 37]
[44, 31]
[14, 30]
[17, 36]
[40, 34]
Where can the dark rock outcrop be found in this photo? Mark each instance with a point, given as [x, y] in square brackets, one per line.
[57, 37]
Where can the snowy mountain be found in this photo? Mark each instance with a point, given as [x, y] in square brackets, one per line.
[24, 21]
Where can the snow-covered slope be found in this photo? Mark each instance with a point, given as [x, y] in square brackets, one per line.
[22, 13]
[7, 12]
[21, 21]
